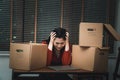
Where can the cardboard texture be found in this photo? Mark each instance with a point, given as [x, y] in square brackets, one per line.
[90, 58]
[28, 56]
[91, 34]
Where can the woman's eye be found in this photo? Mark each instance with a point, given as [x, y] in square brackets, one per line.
[59, 43]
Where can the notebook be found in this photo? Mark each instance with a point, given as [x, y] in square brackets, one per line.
[58, 68]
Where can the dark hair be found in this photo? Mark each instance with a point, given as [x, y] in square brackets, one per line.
[60, 33]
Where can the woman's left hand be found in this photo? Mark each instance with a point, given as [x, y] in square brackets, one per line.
[67, 42]
[67, 36]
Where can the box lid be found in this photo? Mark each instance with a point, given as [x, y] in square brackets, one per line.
[112, 31]
[104, 48]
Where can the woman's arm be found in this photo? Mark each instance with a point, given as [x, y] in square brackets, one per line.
[66, 58]
[50, 47]
[67, 42]
[49, 54]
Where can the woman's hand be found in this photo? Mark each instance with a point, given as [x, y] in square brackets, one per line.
[67, 37]
[52, 38]
[67, 42]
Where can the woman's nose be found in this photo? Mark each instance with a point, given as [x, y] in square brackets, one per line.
[59, 45]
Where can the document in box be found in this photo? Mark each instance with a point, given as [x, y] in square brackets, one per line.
[58, 68]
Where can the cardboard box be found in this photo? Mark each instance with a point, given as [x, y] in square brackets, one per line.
[92, 34]
[27, 56]
[90, 58]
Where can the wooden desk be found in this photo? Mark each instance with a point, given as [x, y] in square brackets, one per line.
[78, 73]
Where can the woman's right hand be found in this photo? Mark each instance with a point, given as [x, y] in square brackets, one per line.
[52, 36]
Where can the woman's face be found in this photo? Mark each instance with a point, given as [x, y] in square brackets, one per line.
[59, 43]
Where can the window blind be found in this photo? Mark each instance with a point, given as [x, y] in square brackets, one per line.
[49, 17]
[29, 21]
[71, 18]
[49, 12]
[4, 25]
[17, 21]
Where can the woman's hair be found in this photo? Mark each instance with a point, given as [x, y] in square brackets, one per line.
[60, 33]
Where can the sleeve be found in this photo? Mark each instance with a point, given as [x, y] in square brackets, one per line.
[66, 58]
[44, 42]
[49, 57]
[49, 54]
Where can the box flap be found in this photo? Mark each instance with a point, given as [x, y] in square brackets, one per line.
[104, 48]
[112, 31]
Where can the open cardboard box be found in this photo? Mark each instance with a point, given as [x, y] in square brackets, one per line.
[28, 56]
[92, 34]
[90, 58]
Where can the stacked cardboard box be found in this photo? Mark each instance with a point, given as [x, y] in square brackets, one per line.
[90, 58]
[90, 54]
[28, 56]
[91, 34]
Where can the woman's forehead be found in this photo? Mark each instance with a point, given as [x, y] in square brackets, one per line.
[59, 40]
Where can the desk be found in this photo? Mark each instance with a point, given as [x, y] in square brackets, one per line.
[46, 70]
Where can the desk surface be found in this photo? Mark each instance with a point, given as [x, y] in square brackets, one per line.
[48, 70]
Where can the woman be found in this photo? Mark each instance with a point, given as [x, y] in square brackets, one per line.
[59, 50]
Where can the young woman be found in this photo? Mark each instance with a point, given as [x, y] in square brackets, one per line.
[59, 50]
